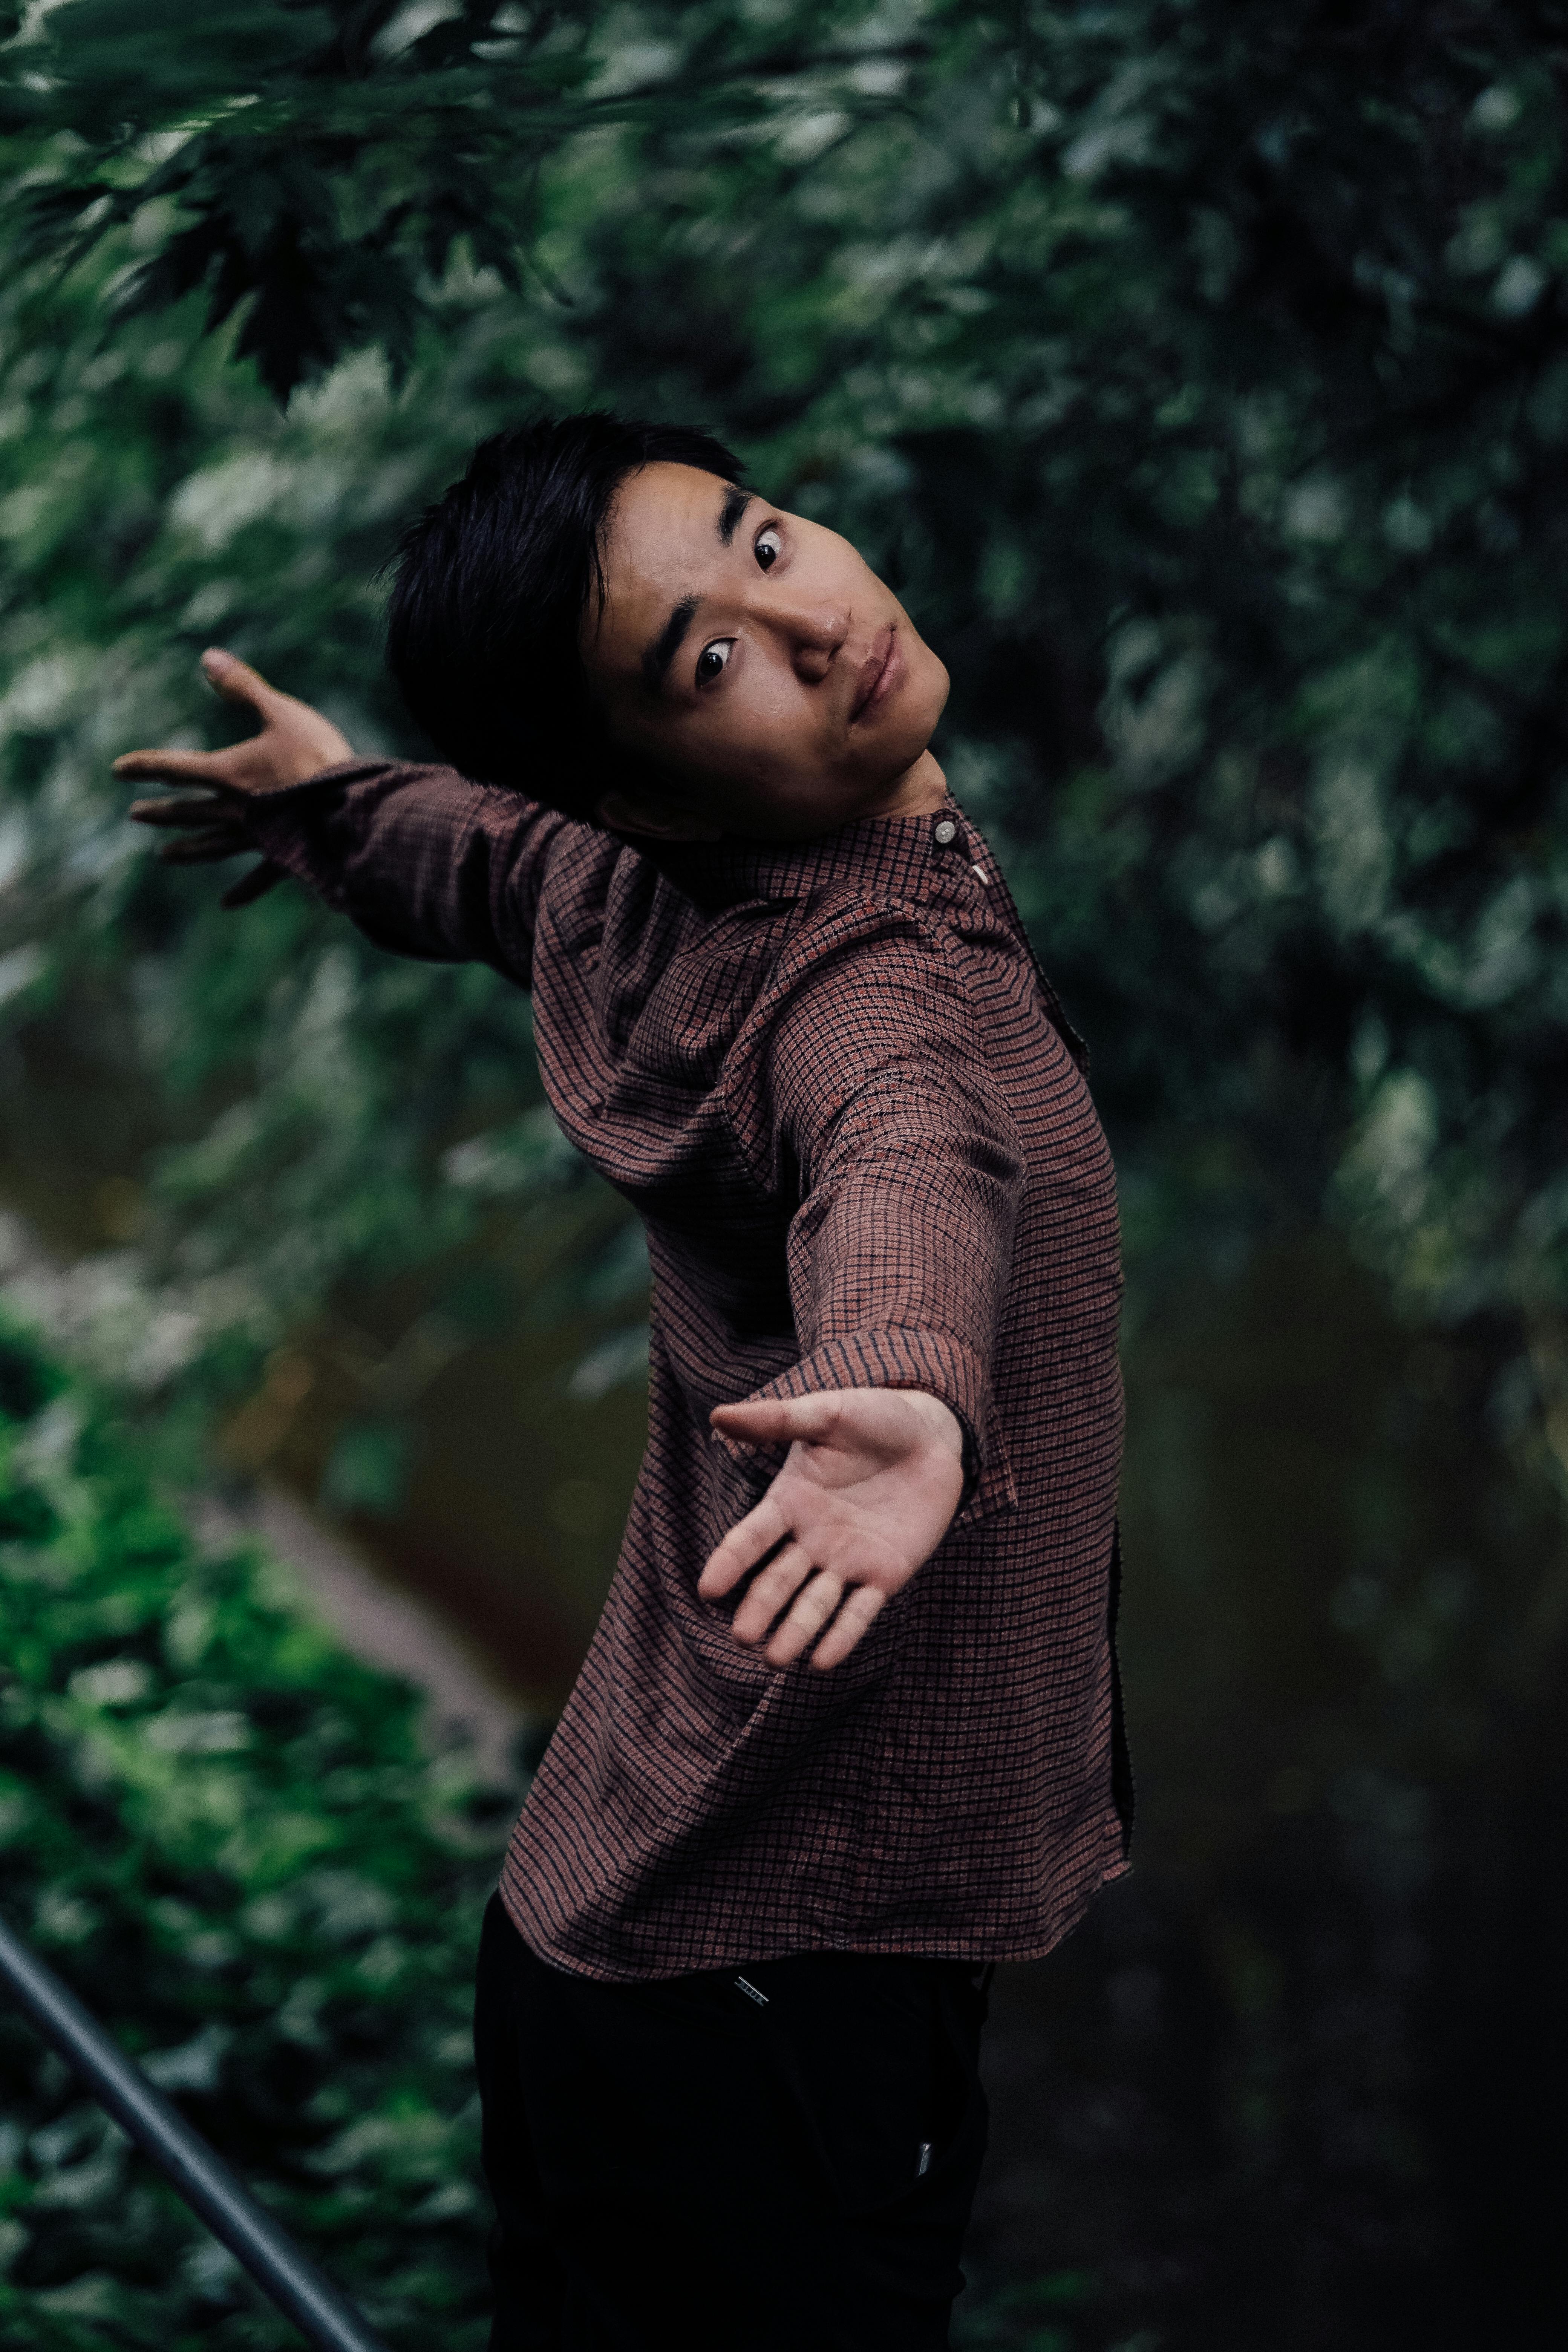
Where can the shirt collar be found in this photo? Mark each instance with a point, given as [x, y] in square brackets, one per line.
[893, 856]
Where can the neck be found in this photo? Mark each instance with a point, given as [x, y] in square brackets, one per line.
[921, 788]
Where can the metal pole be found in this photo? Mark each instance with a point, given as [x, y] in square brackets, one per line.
[208, 2186]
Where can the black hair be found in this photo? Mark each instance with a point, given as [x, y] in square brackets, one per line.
[490, 590]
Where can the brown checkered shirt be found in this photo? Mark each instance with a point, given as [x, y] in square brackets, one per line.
[834, 1084]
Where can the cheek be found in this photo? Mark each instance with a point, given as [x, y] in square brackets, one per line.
[769, 724]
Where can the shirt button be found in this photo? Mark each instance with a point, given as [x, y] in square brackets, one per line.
[945, 832]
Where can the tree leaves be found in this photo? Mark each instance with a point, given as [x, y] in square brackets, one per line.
[324, 161]
[223, 1832]
[299, 172]
[1212, 421]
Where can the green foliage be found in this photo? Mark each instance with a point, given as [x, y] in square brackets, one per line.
[1028, 2317]
[1196, 370]
[221, 1832]
[318, 164]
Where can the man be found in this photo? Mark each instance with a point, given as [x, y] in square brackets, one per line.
[846, 1733]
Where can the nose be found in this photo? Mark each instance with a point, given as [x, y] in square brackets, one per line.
[813, 633]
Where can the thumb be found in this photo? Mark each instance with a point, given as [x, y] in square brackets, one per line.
[235, 679]
[777, 1420]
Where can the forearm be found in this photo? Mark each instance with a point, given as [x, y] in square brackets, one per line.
[899, 1274]
[422, 861]
[888, 1126]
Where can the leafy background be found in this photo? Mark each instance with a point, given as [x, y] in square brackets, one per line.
[1196, 370]
[224, 1832]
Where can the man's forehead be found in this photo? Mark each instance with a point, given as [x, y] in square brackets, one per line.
[668, 531]
[664, 511]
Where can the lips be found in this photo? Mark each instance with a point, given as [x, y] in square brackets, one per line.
[880, 674]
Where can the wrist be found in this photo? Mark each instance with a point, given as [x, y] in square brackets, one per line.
[939, 1418]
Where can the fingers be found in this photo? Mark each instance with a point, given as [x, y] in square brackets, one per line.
[748, 1540]
[776, 1584]
[864, 1603]
[202, 808]
[818, 1597]
[203, 842]
[779, 1420]
[168, 767]
[816, 1594]
[806, 1620]
[203, 848]
[263, 876]
[235, 680]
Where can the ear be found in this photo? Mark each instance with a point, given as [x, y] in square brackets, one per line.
[647, 815]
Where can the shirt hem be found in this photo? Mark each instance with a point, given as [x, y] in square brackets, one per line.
[978, 1949]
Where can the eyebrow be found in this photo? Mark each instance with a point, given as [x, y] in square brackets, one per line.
[736, 501]
[658, 657]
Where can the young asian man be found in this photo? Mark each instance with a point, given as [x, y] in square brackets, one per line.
[848, 1731]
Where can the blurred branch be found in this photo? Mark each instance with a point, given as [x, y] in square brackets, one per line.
[318, 172]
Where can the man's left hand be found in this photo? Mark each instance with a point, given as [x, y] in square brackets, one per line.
[867, 1491]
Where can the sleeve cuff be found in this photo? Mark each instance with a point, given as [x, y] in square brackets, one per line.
[945, 1368]
[292, 824]
[346, 771]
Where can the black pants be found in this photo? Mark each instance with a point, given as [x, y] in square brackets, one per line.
[774, 2158]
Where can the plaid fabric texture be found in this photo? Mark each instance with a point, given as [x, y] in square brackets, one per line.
[833, 1081]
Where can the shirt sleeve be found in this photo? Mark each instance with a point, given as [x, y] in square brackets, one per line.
[886, 1126]
[422, 861]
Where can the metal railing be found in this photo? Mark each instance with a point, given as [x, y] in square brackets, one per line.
[322, 2315]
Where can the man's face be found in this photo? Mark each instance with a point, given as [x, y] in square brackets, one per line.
[757, 664]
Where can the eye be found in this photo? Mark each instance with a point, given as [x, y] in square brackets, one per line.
[768, 547]
[713, 660]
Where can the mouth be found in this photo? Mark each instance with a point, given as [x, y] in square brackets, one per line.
[880, 673]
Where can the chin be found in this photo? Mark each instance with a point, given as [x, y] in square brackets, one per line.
[914, 710]
[908, 732]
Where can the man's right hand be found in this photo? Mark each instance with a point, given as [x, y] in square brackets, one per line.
[867, 1492]
[295, 742]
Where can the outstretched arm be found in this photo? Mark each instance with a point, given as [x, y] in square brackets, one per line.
[865, 1068]
[425, 862]
[867, 1491]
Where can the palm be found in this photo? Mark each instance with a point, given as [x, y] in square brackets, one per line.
[865, 1494]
